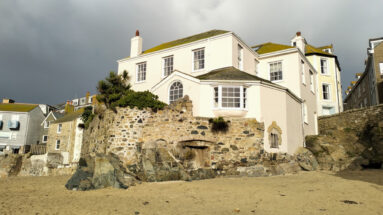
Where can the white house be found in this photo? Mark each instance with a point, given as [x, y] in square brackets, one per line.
[225, 77]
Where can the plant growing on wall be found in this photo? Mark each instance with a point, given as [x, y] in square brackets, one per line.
[87, 116]
[219, 125]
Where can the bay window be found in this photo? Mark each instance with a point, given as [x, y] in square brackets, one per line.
[230, 97]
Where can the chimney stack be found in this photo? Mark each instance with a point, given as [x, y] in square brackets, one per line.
[136, 45]
[8, 101]
[299, 42]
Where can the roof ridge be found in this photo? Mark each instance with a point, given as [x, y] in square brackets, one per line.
[185, 40]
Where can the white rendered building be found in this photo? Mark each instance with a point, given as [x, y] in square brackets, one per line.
[225, 77]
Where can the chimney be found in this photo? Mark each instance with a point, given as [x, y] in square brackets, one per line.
[299, 42]
[136, 45]
[87, 97]
[8, 101]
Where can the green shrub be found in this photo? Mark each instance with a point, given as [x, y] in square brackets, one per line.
[115, 92]
[219, 125]
[141, 100]
[347, 130]
[87, 117]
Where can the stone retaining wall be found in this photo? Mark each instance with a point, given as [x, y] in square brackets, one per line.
[175, 129]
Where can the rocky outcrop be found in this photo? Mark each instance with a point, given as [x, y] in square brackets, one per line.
[10, 165]
[306, 159]
[350, 140]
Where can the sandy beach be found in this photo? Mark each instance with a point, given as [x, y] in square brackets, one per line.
[358, 192]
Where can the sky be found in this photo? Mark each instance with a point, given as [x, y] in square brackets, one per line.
[55, 50]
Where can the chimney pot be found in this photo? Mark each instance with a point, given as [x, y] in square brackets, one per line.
[137, 33]
[298, 33]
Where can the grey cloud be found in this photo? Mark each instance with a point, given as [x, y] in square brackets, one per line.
[51, 51]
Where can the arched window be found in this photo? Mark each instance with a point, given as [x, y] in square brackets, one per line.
[175, 91]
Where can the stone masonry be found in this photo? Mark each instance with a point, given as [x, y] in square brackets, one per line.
[174, 128]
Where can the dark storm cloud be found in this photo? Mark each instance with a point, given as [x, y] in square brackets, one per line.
[51, 51]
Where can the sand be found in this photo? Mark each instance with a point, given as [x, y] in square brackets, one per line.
[304, 193]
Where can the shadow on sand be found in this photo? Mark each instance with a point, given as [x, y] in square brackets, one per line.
[374, 176]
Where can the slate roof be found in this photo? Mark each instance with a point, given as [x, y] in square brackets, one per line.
[58, 115]
[17, 107]
[185, 40]
[69, 116]
[270, 47]
[229, 73]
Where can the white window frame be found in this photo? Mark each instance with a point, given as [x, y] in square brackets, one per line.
[58, 143]
[44, 141]
[305, 113]
[139, 76]
[47, 124]
[326, 66]
[276, 62]
[329, 92]
[312, 81]
[240, 57]
[381, 68]
[193, 60]
[170, 86]
[59, 128]
[303, 72]
[164, 66]
[243, 97]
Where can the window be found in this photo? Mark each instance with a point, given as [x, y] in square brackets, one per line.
[141, 72]
[323, 66]
[57, 147]
[59, 127]
[14, 123]
[274, 138]
[326, 91]
[244, 97]
[230, 97]
[175, 92]
[167, 66]
[46, 124]
[1, 122]
[198, 59]
[303, 72]
[276, 71]
[82, 101]
[311, 81]
[216, 97]
[305, 115]
[45, 139]
[75, 102]
[381, 68]
[240, 57]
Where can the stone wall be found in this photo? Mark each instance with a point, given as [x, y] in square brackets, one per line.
[349, 140]
[188, 139]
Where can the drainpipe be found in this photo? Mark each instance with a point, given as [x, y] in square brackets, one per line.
[336, 84]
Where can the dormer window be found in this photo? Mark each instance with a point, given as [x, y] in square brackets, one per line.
[46, 124]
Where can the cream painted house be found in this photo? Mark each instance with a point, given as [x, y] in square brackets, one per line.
[318, 60]
[225, 77]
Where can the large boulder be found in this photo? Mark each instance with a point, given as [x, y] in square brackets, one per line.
[100, 171]
[10, 165]
[306, 159]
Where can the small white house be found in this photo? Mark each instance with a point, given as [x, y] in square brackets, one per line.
[225, 77]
